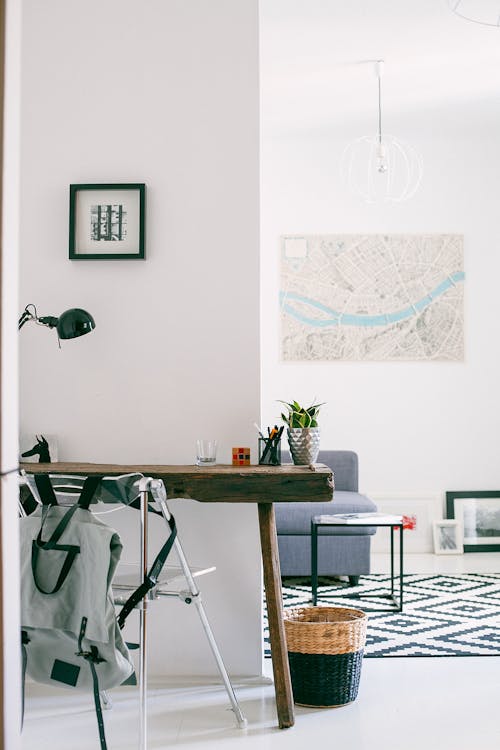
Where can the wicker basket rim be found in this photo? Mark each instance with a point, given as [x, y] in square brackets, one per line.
[349, 613]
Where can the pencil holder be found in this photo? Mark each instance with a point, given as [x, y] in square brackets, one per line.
[269, 452]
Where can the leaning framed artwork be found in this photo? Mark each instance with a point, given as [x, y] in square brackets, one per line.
[107, 221]
[447, 537]
[478, 513]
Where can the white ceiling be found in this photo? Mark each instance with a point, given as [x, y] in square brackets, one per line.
[436, 64]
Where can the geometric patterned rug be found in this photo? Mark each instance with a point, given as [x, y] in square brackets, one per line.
[443, 615]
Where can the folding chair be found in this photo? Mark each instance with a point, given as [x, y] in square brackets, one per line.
[147, 495]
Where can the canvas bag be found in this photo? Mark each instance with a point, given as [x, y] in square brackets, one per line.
[70, 634]
[66, 596]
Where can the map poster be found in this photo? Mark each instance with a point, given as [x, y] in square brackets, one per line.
[377, 297]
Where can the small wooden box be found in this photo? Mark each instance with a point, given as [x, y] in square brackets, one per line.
[241, 456]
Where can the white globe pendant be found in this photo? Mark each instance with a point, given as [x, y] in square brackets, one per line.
[485, 12]
[381, 169]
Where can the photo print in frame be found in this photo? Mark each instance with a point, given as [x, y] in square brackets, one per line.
[478, 513]
[107, 221]
[448, 537]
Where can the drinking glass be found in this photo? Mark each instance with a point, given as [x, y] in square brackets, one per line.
[206, 452]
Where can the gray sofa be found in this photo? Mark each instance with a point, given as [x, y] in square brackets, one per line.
[342, 551]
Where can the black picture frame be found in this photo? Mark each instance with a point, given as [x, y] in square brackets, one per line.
[107, 221]
[478, 512]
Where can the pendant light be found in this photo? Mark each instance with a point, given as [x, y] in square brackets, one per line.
[381, 168]
[484, 12]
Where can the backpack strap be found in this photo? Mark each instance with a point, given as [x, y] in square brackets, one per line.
[24, 642]
[48, 496]
[38, 545]
[90, 486]
[151, 579]
[92, 658]
[49, 499]
[45, 489]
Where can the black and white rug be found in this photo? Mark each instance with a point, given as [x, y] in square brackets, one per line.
[443, 615]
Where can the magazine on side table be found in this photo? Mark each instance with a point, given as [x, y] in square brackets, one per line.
[353, 518]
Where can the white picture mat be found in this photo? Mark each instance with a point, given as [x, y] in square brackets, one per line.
[85, 199]
[475, 513]
[448, 537]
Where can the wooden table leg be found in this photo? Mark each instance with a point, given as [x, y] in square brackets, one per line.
[272, 585]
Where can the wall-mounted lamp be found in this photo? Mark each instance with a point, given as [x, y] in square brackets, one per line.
[70, 324]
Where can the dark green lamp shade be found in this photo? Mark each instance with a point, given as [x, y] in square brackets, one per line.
[74, 322]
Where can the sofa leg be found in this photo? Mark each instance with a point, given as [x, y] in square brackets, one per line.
[353, 580]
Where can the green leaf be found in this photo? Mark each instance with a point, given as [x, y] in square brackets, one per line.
[298, 416]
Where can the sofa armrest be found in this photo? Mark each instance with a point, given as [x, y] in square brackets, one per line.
[344, 465]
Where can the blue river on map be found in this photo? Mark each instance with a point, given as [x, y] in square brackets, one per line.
[349, 319]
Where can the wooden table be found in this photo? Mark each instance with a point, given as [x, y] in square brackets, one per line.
[263, 485]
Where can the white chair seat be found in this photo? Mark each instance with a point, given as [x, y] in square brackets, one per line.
[172, 579]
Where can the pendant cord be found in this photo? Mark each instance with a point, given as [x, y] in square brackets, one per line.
[379, 109]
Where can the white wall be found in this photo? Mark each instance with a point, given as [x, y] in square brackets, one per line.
[166, 93]
[417, 427]
[9, 543]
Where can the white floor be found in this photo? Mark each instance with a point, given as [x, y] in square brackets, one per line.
[403, 704]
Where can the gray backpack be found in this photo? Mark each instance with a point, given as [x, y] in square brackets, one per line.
[70, 632]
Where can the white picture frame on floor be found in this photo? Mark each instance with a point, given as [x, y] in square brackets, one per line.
[448, 537]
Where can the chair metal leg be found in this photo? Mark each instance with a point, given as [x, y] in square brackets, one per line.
[240, 717]
[143, 635]
[196, 598]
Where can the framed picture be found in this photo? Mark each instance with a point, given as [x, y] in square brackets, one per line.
[478, 513]
[106, 222]
[448, 538]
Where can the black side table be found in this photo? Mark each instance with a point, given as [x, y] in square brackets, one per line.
[396, 601]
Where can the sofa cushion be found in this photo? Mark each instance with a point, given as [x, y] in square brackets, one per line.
[295, 518]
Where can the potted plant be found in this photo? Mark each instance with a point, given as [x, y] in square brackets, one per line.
[303, 431]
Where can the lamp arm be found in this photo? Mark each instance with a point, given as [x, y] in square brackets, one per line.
[27, 314]
[23, 319]
[48, 320]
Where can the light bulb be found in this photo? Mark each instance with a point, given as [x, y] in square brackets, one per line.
[387, 171]
[381, 159]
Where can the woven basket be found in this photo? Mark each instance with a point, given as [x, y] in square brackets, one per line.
[325, 651]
